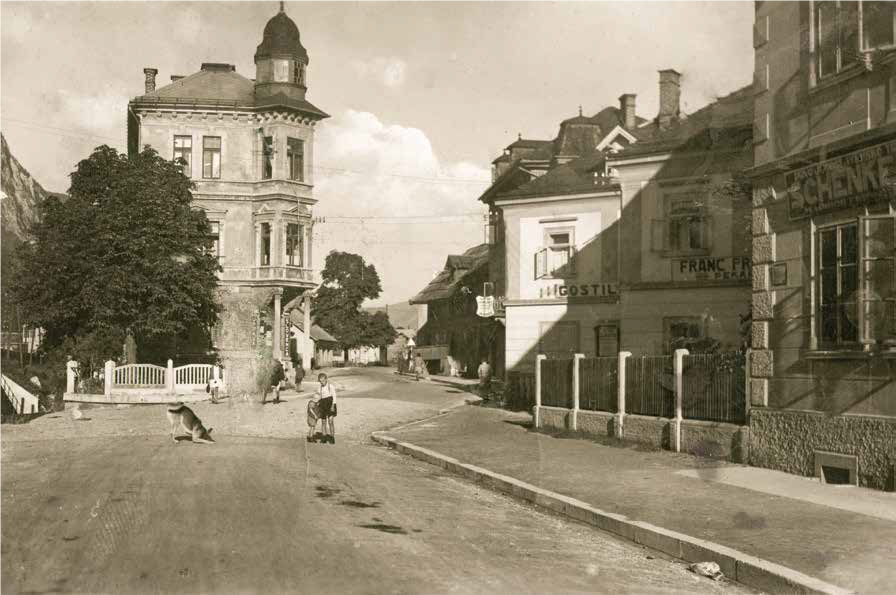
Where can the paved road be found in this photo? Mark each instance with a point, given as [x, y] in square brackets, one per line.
[134, 513]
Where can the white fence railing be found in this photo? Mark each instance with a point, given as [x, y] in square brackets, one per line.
[139, 375]
[193, 374]
[169, 379]
[22, 400]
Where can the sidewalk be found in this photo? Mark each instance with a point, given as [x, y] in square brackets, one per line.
[468, 384]
[789, 521]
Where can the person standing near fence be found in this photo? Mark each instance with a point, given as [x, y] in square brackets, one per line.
[214, 384]
[485, 378]
[300, 374]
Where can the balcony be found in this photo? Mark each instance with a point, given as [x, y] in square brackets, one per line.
[270, 275]
[254, 190]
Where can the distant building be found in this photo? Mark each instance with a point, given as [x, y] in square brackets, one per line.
[823, 388]
[248, 144]
[454, 336]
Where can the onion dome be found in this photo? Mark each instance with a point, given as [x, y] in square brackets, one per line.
[281, 40]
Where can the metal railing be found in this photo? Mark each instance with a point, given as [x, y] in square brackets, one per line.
[556, 383]
[715, 387]
[598, 383]
[650, 386]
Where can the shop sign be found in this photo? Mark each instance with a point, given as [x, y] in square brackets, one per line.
[858, 179]
[485, 306]
[601, 292]
[711, 268]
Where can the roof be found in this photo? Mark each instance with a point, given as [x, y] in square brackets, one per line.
[458, 267]
[526, 143]
[281, 38]
[700, 130]
[319, 334]
[218, 86]
[576, 176]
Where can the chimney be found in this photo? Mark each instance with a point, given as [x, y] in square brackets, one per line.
[176, 77]
[627, 109]
[150, 78]
[670, 93]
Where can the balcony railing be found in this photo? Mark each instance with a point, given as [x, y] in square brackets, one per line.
[270, 273]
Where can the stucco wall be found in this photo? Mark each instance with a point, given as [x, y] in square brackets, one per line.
[786, 440]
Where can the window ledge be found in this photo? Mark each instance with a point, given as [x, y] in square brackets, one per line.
[849, 355]
[832, 80]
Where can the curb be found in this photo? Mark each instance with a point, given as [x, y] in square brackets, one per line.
[744, 568]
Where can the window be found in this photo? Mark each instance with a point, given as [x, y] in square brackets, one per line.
[267, 158]
[295, 245]
[211, 157]
[281, 71]
[265, 244]
[557, 257]
[295, 155]
[298, 73]
[183, 152]
[680, 328]
[606, 339]
[215, 237]
[559, 339]
[843, 30]
[688, 226]
[857, 284]
[838, 280]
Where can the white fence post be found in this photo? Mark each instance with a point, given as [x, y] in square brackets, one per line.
[620, 395]
[109, 377]
[538, 359]
[679, 390]
[70, 376]
[169, 378]
[576, 375]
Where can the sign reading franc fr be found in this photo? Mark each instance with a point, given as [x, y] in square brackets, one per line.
[712, 268]
[857, 179]
[600, 292]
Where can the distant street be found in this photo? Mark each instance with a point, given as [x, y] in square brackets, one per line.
[110, 505]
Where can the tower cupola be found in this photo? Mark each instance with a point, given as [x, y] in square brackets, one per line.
[280, 60]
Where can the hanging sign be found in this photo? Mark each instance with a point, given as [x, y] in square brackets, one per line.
[485, 306]
[858, 179]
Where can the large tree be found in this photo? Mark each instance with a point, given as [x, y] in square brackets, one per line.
[347, 281]
[124, 254]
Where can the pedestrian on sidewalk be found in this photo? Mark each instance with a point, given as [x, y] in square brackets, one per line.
[420, 367]
[485, 378]
[276, 377]
[326, 408]
[300, 374]
[213, 385]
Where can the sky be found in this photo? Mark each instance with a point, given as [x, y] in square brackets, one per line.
[423, 95]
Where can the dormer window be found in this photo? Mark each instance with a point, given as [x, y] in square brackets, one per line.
[298, 73]
[281, 71]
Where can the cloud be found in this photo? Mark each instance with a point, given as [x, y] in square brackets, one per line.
[390, 72]
[386, 195]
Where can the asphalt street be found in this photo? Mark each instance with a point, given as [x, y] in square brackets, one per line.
[100, 510]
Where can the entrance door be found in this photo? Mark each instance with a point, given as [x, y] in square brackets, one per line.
[606, 339]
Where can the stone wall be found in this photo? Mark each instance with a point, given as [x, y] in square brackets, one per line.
[787, 441]
[701, 438]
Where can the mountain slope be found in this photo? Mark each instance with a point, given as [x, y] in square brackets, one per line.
[21, 196]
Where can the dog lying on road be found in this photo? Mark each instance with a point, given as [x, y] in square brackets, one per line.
[178, 413]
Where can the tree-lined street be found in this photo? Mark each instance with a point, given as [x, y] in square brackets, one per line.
[128, 511]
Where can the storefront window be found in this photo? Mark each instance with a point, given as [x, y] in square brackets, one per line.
[879, 268]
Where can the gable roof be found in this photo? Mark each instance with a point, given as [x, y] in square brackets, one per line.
[458, 267]
[576, 176]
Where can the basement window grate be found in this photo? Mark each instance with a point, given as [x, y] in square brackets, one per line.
[836, 469]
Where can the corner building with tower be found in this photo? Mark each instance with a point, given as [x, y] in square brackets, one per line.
[248, 145]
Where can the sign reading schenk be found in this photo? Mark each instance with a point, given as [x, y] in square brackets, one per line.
[711, 268]
[601, 292]
[858, 179]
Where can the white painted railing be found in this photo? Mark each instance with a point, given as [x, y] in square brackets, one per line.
[193, 375]
[139, 375]
[22, 400]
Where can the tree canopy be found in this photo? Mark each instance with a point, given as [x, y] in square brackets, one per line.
[347, 282]
[124, 254]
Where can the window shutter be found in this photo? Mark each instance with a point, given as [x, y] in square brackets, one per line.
[541, 263]
[658, 234]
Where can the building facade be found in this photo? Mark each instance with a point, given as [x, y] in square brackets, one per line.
[823, 387]
[248, 145]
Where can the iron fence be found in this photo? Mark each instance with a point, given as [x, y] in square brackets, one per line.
[714, 387]
[556, 383]
[650, 386]
[598, 384]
